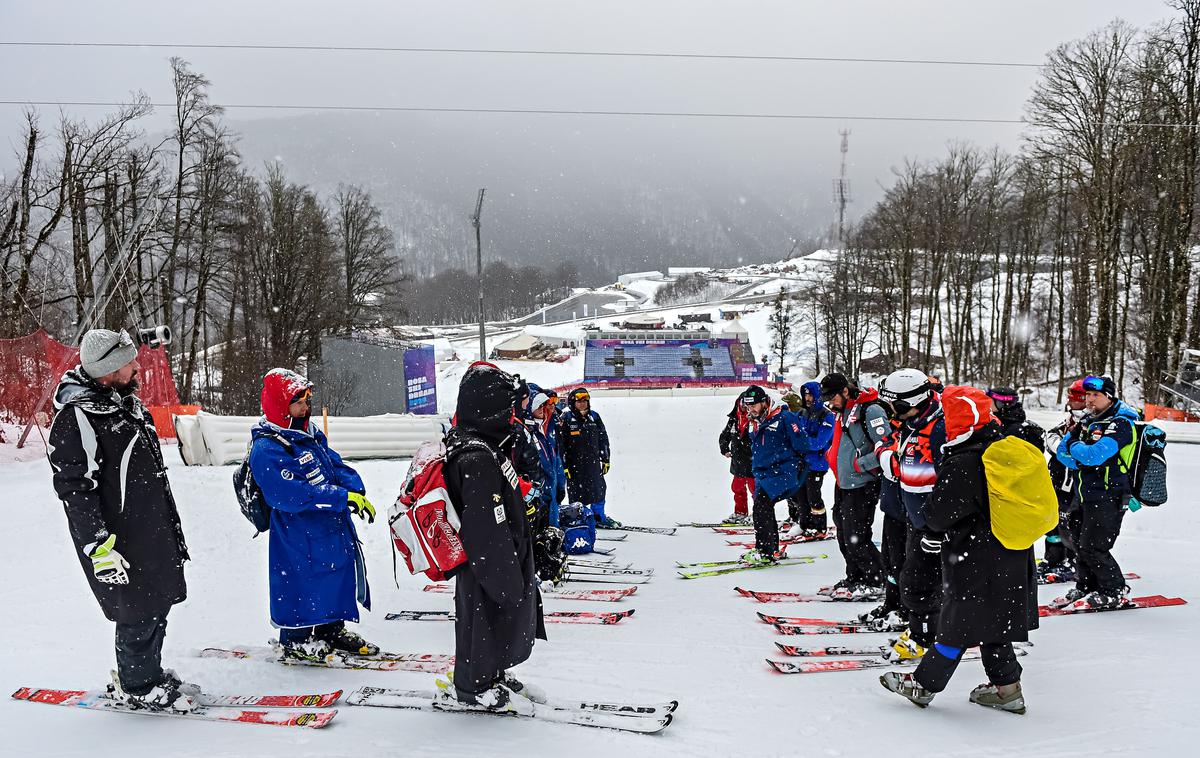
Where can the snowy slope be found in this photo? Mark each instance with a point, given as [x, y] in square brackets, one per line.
[1118, 684]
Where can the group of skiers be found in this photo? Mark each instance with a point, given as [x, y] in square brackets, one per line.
[511, 458]
[917, 450]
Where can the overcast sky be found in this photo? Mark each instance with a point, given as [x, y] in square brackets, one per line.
[1016, 31]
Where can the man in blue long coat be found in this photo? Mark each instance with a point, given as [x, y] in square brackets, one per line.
[779, 445]
[317, 574]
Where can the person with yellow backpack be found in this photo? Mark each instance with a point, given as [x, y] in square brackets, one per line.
[1100, 450]
[993, 500]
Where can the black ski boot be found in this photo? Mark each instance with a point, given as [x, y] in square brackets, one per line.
[346, 641]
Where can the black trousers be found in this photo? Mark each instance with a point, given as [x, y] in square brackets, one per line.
[807, 508]
[1061, 540]
[305, 633]
[1099, 526]
[139, 654]
[766, 528]
[854, 516]
[921, 586]
[895, 533]
[938, 665]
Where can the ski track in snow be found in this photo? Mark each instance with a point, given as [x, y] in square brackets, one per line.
[1112, 684]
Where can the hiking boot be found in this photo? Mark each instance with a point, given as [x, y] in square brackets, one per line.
[1074, 594]
[308, 651]
[346, 641]
[988, 695]
[907, 686]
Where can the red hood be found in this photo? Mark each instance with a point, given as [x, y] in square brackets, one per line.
[279, 387]
[865, 396]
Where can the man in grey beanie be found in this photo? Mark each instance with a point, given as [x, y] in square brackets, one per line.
[111, 478]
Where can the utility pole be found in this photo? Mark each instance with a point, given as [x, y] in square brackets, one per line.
[841, 189]
[479, 274]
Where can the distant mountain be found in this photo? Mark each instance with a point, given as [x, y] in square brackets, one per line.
[611, 196]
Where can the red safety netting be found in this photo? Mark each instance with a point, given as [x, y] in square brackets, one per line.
[29, 364]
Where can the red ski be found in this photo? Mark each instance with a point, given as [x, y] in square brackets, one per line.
[99, 700]
[1149, 601]
[785, 597]
[793, 629]
[802, 621]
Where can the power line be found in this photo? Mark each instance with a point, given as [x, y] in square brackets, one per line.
[536, 111]
[488, 51]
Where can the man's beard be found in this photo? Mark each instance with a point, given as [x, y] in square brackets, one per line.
[128, 388]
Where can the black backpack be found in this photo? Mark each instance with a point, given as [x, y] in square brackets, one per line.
[250, 496]
[1148, 468]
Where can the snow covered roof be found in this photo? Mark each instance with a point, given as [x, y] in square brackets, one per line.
[735, 327]
[520, 343]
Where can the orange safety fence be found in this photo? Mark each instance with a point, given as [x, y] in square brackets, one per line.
[1163, 413]
[29, 364]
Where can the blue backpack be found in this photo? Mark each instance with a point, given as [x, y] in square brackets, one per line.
[579, 528]
[250, 496]
[1147, 467]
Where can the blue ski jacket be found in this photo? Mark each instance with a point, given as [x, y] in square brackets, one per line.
[317, 573]
[1095, 448]
[818, 424]
[779, 446]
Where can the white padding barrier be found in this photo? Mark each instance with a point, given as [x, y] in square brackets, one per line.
[209, 440]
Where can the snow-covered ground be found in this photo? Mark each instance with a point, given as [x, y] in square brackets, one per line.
[1113, 684]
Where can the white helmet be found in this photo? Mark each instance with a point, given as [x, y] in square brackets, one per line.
[905, 389]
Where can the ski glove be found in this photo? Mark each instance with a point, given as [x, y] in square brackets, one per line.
[360, 506]
[604, 467]
[889, 464]
[107, 564]
[567, 472]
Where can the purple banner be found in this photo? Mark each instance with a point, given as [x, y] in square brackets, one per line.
[752, 372]
[420, 380]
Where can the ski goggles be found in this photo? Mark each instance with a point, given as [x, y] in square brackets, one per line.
[1093, 384]
[585, 397]
[123, 340]
[304, 394]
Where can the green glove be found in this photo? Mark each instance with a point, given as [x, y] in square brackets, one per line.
[604, 468]
[107, 564]
[360, 506]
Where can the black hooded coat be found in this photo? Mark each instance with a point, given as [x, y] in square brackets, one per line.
[109, 474]
[990, 592]
[498, 605]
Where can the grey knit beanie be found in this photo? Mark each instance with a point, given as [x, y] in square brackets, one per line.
[103, 351]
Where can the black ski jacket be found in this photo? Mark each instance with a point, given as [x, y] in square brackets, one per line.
[1015, 424]
[584, 444]
[111, 478]
[990, 591]
[737, 443]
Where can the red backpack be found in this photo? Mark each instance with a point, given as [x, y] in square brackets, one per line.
[425, 523]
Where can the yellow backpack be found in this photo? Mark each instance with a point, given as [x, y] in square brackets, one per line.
[1021, 498]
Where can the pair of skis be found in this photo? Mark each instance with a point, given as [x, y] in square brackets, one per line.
[431, 663]
[647, 718]
[821, 667]
[557, 617]
[806, 626]
[788, 597]
[667, 531]
[643, 718]
[594, 595]
[270, 710]
[720, 568]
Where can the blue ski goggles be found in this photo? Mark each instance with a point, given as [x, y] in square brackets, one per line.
[1093, 384]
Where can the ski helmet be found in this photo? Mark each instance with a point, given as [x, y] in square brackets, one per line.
[1075, 391]
[1005, 399]
[753, 395]
[905, 389]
